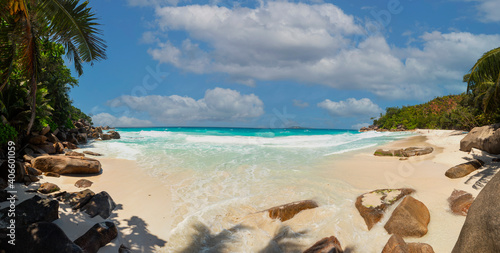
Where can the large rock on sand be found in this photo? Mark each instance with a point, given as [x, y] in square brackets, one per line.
[481, 230]
[41, 237]
[485, 138]
[33, 210]
[101, 204]
[464, 169]
[326, 245]
[76, 199]
[287, 211]
[407, 152]
[97, 236]
[371, 205]
[67, 164]
[410, 218]
[396, 244]
[460, 202]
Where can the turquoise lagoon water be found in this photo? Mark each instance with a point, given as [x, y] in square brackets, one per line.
[220, 178]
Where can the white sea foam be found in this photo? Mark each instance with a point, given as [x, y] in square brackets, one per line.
[219, 183]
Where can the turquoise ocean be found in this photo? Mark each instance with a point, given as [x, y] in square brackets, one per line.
[220, 178]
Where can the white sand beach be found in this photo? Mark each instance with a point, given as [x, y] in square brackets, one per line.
[147, 221]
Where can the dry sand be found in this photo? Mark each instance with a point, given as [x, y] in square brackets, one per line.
[143, 215]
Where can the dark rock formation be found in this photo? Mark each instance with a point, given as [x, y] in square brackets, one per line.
[97, 236]
[101, 204]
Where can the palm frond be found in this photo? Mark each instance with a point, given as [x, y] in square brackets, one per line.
[485, 69]
[74, 25]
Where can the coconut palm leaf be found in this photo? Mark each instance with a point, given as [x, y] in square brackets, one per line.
[74, 25]
[483, 81]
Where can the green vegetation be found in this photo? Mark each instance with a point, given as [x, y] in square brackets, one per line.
[479, 106]
[33, 37]
[448, 112]
[34, 80]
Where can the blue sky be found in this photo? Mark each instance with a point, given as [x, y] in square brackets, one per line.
[322, 64]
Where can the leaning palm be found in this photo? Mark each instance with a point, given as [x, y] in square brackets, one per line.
[24, 22]
[483, 81]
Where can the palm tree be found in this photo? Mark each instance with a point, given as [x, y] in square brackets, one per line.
[483, 81]
[24, 23]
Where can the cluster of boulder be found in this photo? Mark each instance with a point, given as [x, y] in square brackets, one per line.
[51, 153]
[57, 141]
[399, 128]
[35, 231]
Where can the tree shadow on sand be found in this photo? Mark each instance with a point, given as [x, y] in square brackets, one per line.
[204, 241]
[285, 241]
[482, 177]
[140, 239]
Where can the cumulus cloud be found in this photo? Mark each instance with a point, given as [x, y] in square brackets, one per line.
[106, 119]
[489, 10]
[217, 105]
[300, 103]
[351, 107]
[314, 44]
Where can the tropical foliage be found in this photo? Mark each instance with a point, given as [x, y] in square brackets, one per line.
[448, 112]
[483, 83]
[29, 25]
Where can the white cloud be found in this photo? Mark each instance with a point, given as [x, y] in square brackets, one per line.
[351, 107]
[106, 119]
[489, 10]
[143, 3]
[314, 44]
[217, 105]
[300, 103]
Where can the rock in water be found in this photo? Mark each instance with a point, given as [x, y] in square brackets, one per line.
[105, 137]
[97, 236]
[83, 183]
[101, 204]
[371, 205]
[326, 245]
[410, 218]
[485, 138]
[460, 202]
[33, 210]
[41, 237]
[114, 134]
[481, 230]
[287, 211]
[464, 169]
[396, 244]
[67, 164]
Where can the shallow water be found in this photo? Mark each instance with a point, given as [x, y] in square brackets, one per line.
[221, 178]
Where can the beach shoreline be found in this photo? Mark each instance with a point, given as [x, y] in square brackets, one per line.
[144, 213]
